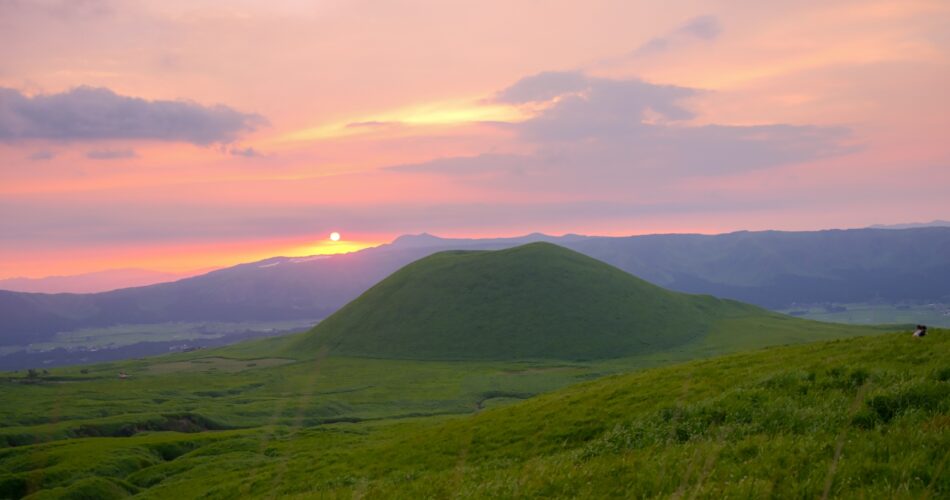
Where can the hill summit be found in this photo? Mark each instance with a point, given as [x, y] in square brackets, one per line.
[536, 301]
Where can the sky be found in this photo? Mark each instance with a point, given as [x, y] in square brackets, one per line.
[176, 135]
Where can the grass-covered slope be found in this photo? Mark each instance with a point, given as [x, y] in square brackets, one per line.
[867, 417]
[534, 301]
[857, 418]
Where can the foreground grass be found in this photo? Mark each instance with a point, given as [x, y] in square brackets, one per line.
[864, 417]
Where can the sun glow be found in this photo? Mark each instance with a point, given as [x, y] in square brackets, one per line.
[428, 115]
[333, 244]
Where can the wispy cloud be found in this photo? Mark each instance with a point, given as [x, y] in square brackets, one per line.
[702, 28]
[247, 152]
[373, 124]
[43, 154]
[86, 113]
[111, 154]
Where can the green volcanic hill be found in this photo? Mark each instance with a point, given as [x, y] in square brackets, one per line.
[536, 301]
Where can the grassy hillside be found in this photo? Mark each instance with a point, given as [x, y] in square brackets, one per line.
[864, 417]
[536, 301]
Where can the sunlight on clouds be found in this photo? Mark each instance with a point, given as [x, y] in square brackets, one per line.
[444, 115]
[438, 114]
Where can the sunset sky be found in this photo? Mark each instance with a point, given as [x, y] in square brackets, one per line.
[175, 135]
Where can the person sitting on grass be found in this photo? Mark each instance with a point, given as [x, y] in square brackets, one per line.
[921, 331]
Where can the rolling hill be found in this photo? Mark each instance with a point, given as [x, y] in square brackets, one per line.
[536, 301]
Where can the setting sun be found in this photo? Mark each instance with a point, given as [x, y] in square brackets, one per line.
[335, 236]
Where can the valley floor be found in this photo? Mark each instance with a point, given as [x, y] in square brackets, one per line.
[929, 313]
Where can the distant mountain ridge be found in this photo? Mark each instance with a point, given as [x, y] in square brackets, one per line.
[913, 225]
[770, 269]
[94, 282]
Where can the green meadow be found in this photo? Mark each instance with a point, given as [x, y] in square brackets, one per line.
[866, 416]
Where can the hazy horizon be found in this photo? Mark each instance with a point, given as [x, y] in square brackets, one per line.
[100, 280]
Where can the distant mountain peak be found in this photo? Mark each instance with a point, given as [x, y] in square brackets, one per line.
[92, 282]
[417, 240]
[422, 236]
